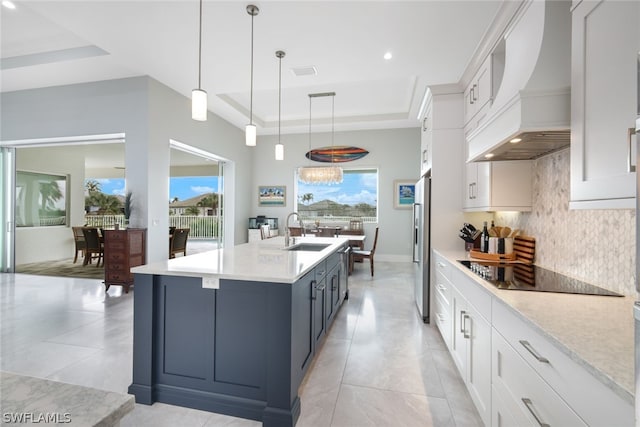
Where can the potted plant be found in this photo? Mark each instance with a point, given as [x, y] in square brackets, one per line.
[128, 207]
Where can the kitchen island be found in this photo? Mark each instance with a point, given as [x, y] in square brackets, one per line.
[235, 330]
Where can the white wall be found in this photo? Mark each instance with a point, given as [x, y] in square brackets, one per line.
[395, 152]
[149, 113]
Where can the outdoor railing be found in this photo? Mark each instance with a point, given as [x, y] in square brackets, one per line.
[200, 227]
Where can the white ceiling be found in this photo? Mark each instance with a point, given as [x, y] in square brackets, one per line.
[48, 43]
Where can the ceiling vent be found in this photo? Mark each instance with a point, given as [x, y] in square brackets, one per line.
[304, 71]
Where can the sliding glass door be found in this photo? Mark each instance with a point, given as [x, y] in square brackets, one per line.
[7, 208]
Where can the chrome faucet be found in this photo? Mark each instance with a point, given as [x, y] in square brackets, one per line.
[287, 233]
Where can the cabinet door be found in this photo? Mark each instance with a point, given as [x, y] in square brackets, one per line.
[302, 325]
[458, 340]
[483, 90]
[426, 141]
[319, 307]
[478, 334]
[603, 102]
[483, 188]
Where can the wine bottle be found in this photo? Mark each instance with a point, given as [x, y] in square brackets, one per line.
[484, 239]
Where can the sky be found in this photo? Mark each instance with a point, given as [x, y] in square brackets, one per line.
[181, 187]
[355, 188]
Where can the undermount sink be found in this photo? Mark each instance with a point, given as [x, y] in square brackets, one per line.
[307, 247]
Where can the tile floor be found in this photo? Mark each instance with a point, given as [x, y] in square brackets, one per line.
[379, 365]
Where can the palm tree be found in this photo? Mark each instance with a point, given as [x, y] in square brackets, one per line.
[209, 201]
[92, 186]
[192, 210]
[305, 198]
[175, 199]
[107, 205]
[50, 192]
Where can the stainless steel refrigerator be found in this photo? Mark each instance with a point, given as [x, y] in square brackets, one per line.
[422, 245]
[636, 308]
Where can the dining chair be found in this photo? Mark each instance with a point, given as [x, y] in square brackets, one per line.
[78, 237]
[265, 231]
[94, 248]
[178, 242]
[360, 255]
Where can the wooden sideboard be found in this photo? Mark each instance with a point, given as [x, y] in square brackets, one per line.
[123, 249]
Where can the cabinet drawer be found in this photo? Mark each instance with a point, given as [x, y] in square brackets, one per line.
[117, 266]
[524, 394]
[117, 245]
[597, 404]
[443, 289]
[117, 276]
[474, 293]
[443, 320]
[442, 265]
[321, 270]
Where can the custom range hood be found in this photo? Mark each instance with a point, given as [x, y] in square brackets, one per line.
[532, 105]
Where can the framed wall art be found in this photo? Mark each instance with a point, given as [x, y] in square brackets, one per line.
[404, 194]
[272, 195]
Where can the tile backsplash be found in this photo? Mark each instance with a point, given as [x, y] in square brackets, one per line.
[597, 246]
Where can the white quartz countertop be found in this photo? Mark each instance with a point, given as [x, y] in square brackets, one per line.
[595, 331]
[36, 401]
[264, 261]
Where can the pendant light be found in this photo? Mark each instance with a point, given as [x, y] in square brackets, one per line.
[321, 174]
[279, 147]
[250, 129]
[199, 96]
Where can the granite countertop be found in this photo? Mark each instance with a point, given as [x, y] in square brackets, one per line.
[595, 331]
[264, 261]
[34, 401]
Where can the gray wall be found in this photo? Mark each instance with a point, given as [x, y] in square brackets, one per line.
[396, 154]
[149, 114]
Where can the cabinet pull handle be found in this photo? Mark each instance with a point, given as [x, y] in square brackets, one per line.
[630, 133]
[313, 289]
[533, 352]
[529, 404]
[462, 315]
[475, 98]
[441, 287]
[334, 280]
[424, 124]
[321, 287]
[472, 95]
[464, 324]
[470, 192]
[441, 264]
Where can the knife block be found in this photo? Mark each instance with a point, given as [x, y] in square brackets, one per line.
[475, 245]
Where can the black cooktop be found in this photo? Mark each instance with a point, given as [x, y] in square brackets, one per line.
[525, 277]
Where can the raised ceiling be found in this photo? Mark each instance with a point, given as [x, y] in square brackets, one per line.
[49, 43]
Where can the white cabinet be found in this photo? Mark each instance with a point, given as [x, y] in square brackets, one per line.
[471, 342]
[526, 399]
[443, 299]
[478, 94]
[528, 366]
[426, 140]
[604, 50]
[498, 186]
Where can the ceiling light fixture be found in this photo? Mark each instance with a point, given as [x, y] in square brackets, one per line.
[489, 155]
[321, 174]
[515, 140]
[250, 129]
[8, 4]
[388, 56]
[279, 146]
[199, 96]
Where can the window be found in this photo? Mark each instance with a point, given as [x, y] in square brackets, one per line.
[40, 199]
[355, 196]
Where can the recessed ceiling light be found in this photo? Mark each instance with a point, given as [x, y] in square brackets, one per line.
[515, 140]
[489, 155]
[8, 4]
[388, 56]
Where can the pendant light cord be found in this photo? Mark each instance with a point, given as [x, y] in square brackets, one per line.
[279, 94]
[333, 103]
[200, 48]
[251, 96]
